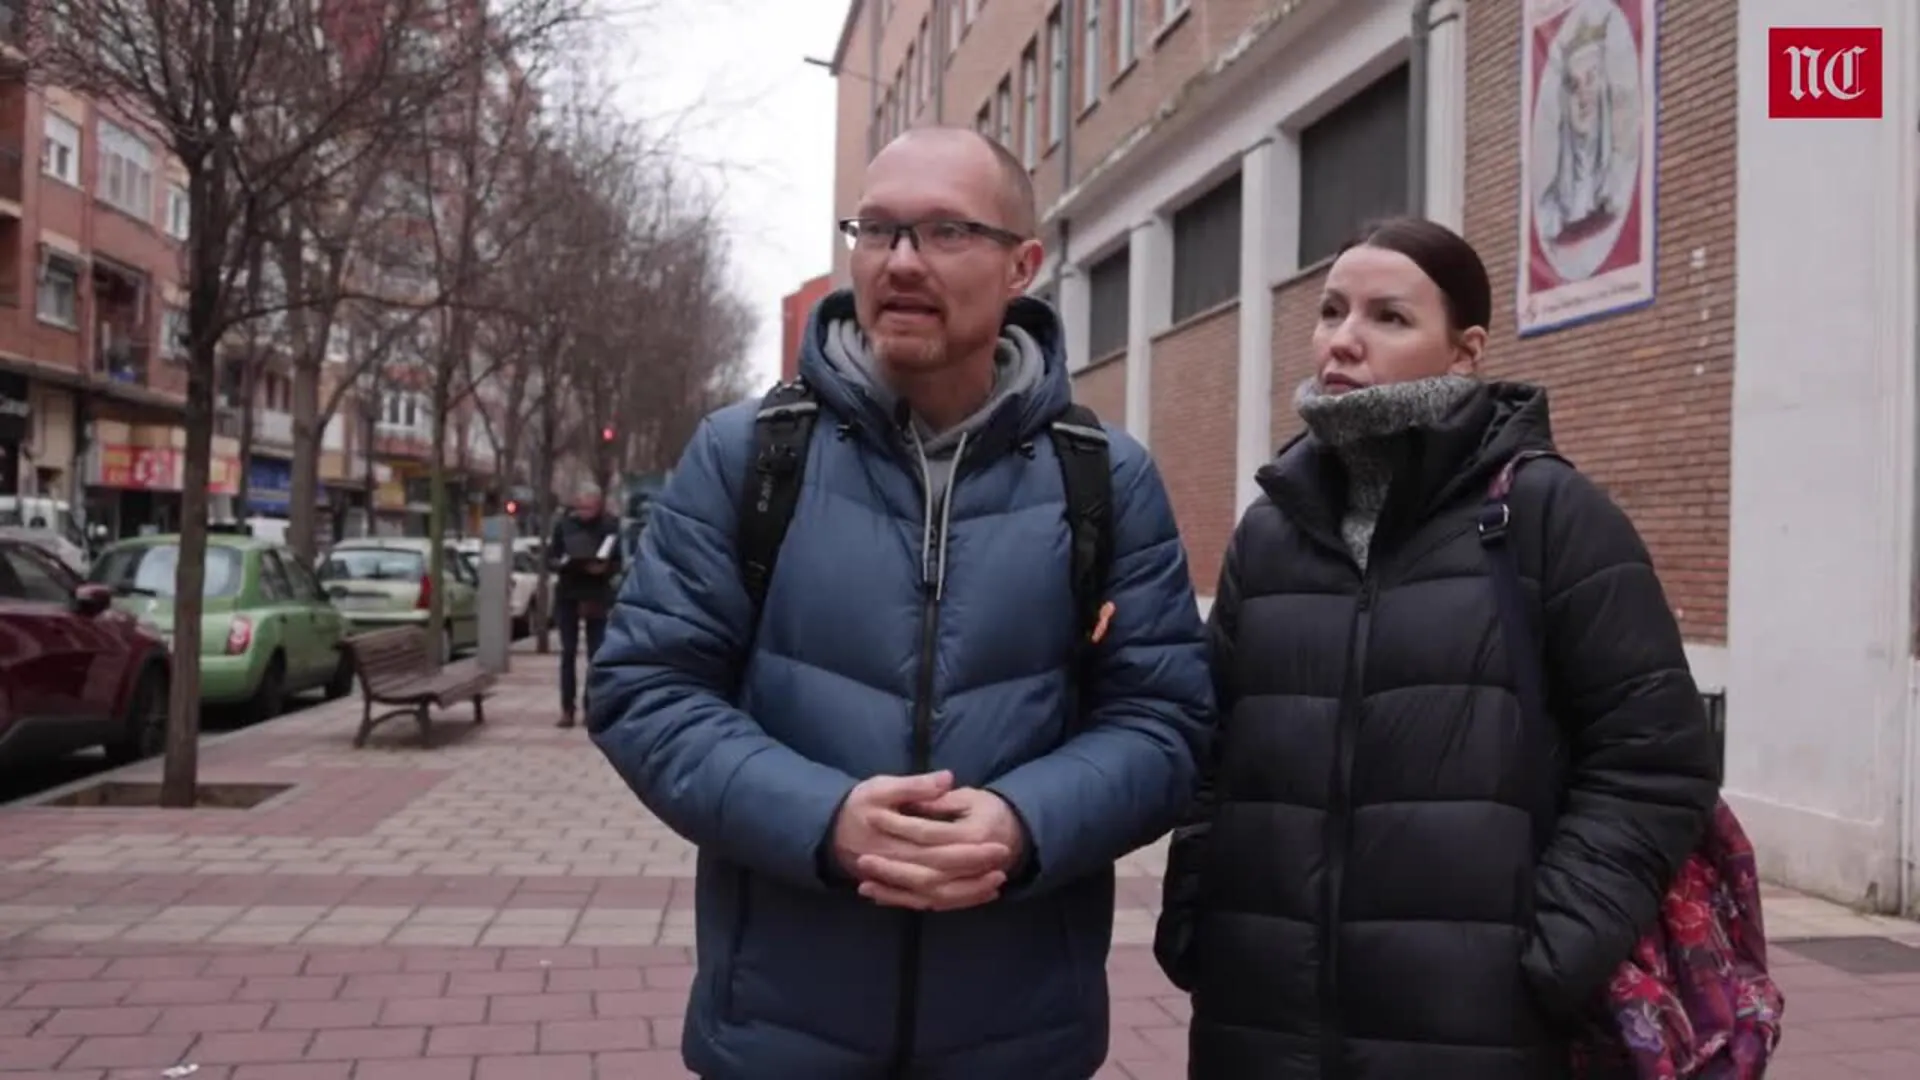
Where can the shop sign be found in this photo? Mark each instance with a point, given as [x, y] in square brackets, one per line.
[159, 468]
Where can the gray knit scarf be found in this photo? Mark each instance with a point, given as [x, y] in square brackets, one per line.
[1358, 424]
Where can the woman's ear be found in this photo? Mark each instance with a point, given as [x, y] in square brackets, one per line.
[1468, 346]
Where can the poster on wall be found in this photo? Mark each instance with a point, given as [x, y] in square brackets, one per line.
[1589, 106]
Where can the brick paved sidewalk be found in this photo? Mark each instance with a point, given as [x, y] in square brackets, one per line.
[499, 906]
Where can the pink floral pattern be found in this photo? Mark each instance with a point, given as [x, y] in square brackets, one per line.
[1695, 1002]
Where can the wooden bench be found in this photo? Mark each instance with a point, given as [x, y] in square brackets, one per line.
[397, 667]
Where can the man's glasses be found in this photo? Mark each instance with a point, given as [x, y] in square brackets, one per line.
[939, 236]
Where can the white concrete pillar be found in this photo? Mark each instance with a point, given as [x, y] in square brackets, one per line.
[1149, 310]
[1447, 115]
[1254, 415]
[1821, 742]
[1076, 311]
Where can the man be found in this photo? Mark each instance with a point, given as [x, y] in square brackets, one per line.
[908, 771]
[585, 566]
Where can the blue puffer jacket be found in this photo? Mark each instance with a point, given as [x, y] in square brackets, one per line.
[747, 745]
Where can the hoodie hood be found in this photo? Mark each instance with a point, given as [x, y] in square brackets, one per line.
[1030, 389]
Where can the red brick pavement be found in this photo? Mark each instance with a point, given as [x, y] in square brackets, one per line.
[140, 940]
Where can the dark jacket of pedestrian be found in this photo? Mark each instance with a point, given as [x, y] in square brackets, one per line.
[746, 742]
[1393, 875]
[580, 575]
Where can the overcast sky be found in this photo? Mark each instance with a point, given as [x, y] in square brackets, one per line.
[730, 73]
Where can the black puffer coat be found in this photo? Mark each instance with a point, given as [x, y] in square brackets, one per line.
[1392, 876]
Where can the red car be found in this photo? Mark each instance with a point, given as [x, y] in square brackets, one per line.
[74, 672]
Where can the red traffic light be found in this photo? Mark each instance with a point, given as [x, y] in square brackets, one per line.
[606, 434]
[513, 506]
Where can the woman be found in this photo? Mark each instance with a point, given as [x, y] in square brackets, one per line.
[1395, 873]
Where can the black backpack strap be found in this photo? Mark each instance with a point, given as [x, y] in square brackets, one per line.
[1087, 470]
[1523, 641]
[782, 432]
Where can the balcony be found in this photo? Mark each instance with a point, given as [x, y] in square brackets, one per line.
[122, 361]
[273, 427]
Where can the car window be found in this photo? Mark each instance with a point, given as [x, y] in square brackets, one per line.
[461, 565]
[35, 578]
[373, 564]
[273, 579]
[149, 569]
[525, 563]
[305, 585]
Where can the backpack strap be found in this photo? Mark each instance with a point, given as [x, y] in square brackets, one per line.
[1516, 626]
[1086, 468]
[782, 432]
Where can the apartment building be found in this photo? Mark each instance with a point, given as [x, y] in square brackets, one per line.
[1726, 320]
[93, 213]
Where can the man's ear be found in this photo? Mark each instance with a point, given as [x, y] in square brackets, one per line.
[1468, 347]
[1025, 267]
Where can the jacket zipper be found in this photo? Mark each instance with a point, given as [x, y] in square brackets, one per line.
[933, 573]
[1338, 833]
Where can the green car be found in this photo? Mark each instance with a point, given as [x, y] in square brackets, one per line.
[382, 582]
[267, 629]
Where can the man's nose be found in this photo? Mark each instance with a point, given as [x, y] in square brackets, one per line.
[904, 255]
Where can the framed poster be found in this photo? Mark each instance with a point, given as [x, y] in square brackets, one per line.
[1589, 111]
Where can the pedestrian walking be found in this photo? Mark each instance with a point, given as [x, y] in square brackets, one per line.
[584, 553]
[912, 654]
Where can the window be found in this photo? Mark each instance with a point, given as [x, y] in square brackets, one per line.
[179, 212]
[983, 122]
[1090, 58]
[126, 172]
[173, 332]
[1107, 284]
[32, 580]
[305, 585]
[956, 25]
[58, 301]
[1056, 79]
[273, 578]
[60, 149]
[1353, 166]
[1030, 107]
[926, 60]
[1126, 23]
[1206, 250]
[1003, 105]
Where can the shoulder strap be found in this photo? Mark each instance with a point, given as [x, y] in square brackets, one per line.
[782, 431]
[1087, 470]
[1523, 644]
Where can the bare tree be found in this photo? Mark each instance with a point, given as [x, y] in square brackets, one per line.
[258, 100]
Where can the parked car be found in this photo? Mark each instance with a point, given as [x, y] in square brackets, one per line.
[267, 629]
[525, 597]
[382, 582]
[74, 672]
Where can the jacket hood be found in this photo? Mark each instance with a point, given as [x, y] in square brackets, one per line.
[1016, 416]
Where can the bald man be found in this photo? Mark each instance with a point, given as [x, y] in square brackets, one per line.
[907, 767]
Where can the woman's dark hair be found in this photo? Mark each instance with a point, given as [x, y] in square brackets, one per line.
[1444, 256]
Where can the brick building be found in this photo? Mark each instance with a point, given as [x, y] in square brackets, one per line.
[795, 307]
[1197, 161]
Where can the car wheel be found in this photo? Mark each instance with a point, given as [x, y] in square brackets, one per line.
[341, 684]
[143, 731]
[270, 698]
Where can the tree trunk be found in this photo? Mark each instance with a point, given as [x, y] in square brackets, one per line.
[249, 388]
[304, 490]
[437, 519]
[179, 785]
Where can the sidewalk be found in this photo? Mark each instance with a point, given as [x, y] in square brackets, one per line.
[499, 906]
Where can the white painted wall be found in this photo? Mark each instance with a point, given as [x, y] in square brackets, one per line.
[1820, 755]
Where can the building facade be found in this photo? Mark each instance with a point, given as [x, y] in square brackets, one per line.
[92, 313]
[795, 307]
[1722, 304]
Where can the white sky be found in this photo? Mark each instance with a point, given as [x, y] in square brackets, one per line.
[731, 72]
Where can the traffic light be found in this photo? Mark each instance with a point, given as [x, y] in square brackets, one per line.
[606, 433]
[513, 508]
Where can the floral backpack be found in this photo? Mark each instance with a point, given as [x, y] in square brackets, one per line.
[1694, 1000]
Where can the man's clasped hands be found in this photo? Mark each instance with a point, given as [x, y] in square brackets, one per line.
[920, 842]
